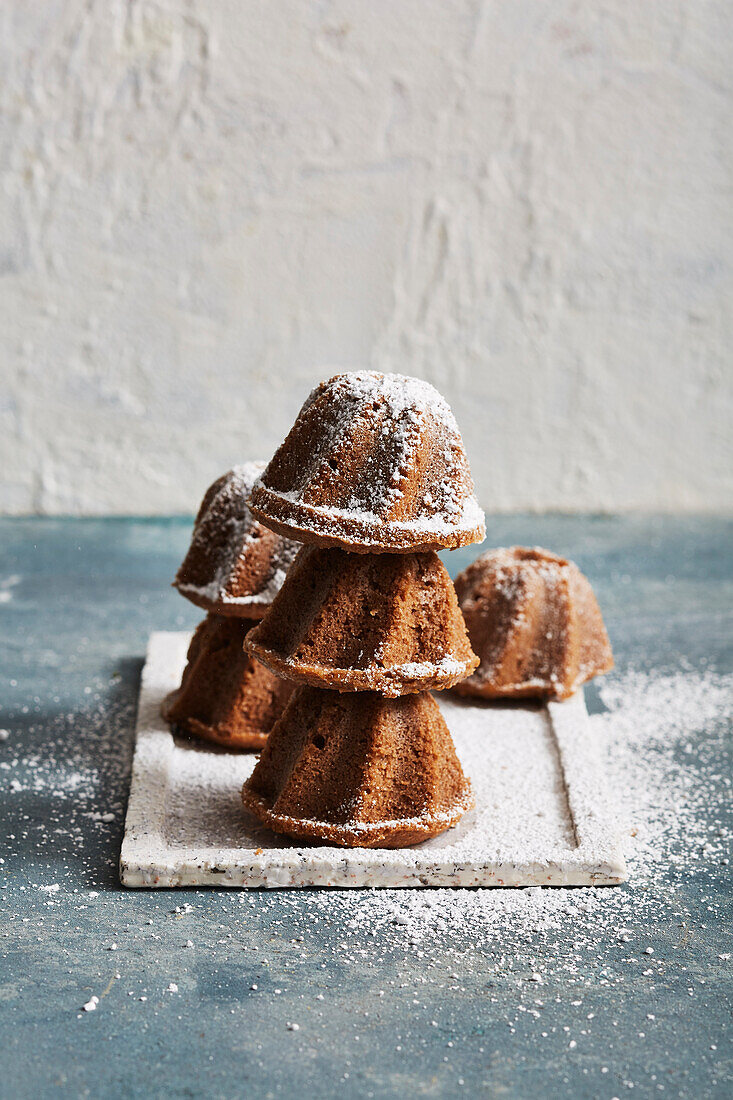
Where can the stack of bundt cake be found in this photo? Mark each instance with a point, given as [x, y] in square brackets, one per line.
[233, 569]
[535, 623]
[373, 478]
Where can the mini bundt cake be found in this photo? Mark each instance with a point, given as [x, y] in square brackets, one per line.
[358, 770]
[234, 565]
[534, 621]
[366, 622]
[225, 695]
[374, 463]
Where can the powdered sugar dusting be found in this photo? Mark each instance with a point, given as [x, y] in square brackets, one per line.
[216, 591]
[662, 799]
[364, 829]
[408, 404]
[227, 523]
[185, 822]
[663, 742]
[441, 524]
[540, 604]
[415, 670]
[389, 680]
[379, 424]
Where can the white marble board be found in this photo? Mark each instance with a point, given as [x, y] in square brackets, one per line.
[541, 814]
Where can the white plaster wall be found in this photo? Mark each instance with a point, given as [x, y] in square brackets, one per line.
[205, 207]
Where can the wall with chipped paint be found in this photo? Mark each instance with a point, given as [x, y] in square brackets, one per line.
[206, 207]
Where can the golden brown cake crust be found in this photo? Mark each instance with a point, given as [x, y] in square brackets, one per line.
[386, 834]
[535, 624]
[298, 521]
[380, 622]
[225, 695]
[373, 464]
[234, 566]
[358, 770]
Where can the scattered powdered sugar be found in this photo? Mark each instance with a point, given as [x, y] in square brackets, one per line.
[75, 765]
[662, 792]
[185, 824]
[659, 731]
[7, 584]
[663, 750]
[589, 937]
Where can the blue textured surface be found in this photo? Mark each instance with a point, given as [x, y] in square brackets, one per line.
[377, 1015]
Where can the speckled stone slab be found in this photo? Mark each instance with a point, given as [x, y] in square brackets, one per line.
[541, 817]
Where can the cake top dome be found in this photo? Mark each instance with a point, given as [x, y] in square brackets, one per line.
[366, 622]
[234, 565]
[534, 622]
[374, 463]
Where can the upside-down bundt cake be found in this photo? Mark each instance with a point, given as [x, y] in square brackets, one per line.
[535, 623]
[366, 622]
[358, 770]
[234, 565]
[374, 463]
[225, 695]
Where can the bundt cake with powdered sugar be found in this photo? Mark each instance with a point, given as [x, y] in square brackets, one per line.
[535, 624]
[358, 770]
[366, 622]
[226, 696]
[234, 568]
[234, 565]
[374, 463]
